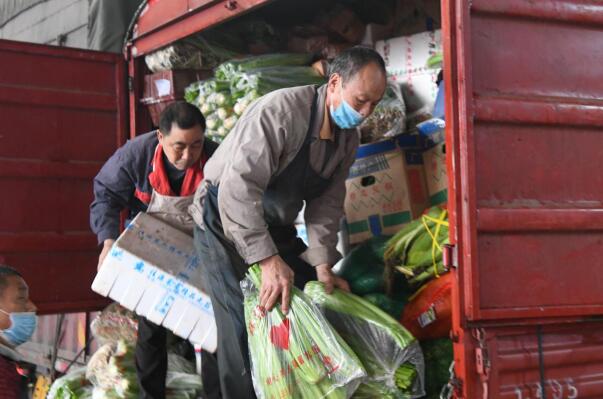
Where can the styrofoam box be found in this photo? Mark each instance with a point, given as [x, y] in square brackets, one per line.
[409, 54]
[153, 270]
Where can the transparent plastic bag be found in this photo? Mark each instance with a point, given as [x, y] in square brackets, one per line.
[193, 53]
[182, 381]
[113, 324]
[389, 117]
[112, 371]
[71, 386]
[298, 355]
[391, 356]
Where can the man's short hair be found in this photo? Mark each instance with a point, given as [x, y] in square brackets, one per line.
[183, 114]
[350, 61]
[6, 272]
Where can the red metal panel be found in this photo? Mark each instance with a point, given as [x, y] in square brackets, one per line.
[166, 21]
[567, 362]
[523, 129]
[529, 114]
[63, 115]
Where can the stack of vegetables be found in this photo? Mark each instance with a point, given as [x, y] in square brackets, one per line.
[71, 386]
[390, 354]
[182, 380]
[363, 269]
[237, 83]
[438, 357]
[112, 371]
[297, 355]
[416, 250]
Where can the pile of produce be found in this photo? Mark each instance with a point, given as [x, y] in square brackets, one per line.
[71, 386]
[389, 353]
[416, 250]
[112, 371]
[363, 269]
[237, 83]
[182, 380]
[438, 357]
[297, 355]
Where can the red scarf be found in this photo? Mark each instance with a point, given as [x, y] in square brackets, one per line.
[161, 184]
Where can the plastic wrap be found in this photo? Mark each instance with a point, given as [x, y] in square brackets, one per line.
[182, 380]
[113, 324]
[429, 313]
[389, 117]
[192, 53]
[298, 355]
[71, 386]
[112, 371]
[391, 356]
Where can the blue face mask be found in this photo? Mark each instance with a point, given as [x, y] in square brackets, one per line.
[23, 325]
[345, 116]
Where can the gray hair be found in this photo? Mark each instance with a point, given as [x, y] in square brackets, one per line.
[350, 61]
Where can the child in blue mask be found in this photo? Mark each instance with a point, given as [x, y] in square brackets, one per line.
[17, 324]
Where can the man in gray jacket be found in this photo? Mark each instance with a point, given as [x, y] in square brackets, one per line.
[291, 146]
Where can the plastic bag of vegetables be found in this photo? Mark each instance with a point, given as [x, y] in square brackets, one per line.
[71, 386]
[297, 355]
[112, 371]
[388, 119]
[192, 53]
[182, 380]
[391, 356]
[115, 323]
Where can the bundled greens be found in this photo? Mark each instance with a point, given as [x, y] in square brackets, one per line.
[112, 371]
[71, 386]
[390, 354]
[297, 355]
[416, 250]
[228, 70]
[265, 80]
[238, 83]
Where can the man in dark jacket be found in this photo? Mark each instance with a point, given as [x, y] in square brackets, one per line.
[157, 173]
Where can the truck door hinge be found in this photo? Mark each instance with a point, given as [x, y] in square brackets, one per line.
[482, 359]
[449, 256]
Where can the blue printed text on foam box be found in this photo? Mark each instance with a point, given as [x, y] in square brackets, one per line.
[171, 284]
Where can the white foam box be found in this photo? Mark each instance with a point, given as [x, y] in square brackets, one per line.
[153, 269]
[405, 55]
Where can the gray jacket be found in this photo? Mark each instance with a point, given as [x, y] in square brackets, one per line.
[263, 142]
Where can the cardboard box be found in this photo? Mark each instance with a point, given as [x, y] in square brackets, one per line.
[436, 174]
[312, 44]
[163, 88]
[153, 270]
[342, 22]
[385, 189]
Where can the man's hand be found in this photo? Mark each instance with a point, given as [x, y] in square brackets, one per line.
[277, 280]
[330, 280]
[107, 244]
